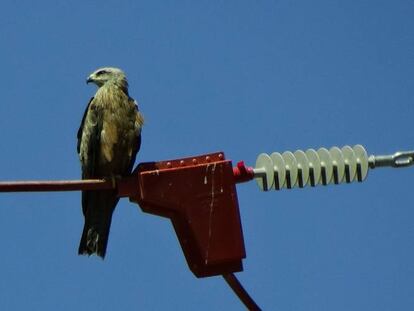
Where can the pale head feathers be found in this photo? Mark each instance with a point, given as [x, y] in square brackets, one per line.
[109, 75]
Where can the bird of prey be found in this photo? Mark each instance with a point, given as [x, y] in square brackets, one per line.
[109, 138]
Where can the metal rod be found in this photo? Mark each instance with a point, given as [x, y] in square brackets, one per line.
[398, 159]
[56, 185]
[238, 289]
[242, 173]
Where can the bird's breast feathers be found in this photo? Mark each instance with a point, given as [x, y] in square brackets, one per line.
[116, 118]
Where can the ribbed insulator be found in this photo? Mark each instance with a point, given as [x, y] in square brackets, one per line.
[311, 167]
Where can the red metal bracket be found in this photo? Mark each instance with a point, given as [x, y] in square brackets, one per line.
[199, 195]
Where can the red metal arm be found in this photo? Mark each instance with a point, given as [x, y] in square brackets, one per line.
[198, 194]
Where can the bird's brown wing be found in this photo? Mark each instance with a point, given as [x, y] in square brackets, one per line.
[80, 130]
[138, 123]
[88, 146]
[97, 206]
[88, 149]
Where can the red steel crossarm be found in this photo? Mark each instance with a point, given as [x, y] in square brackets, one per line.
[241, 172]
[56, 185]
[198, 194]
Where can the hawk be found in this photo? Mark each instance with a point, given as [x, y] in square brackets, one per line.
[109, 138]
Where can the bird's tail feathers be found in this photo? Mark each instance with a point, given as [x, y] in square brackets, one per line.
[94, 240]
[98, 209]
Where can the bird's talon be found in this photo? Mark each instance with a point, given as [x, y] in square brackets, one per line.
[113, 180]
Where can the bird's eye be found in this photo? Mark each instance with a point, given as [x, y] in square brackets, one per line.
[100, 72]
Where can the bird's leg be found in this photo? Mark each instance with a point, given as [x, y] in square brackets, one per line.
[115, 179]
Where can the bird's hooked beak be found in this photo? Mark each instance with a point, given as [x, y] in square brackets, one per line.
[89, 80]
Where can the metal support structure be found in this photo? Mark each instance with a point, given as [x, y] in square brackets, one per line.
[198, 195]
[398, 159]
[56, 185]
[322, 167]
[239, 290]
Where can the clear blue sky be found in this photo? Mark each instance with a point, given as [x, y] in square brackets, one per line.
[243, 77]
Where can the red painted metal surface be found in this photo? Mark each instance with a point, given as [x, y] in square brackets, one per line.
[242, 173]
[56, 185]
[199, 195]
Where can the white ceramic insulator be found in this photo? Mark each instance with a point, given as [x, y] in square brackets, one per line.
[279, 169]
[303, 168]
[322, 167]
[362, 162]
[291, 169]
[263, 172]
[350, 163]
[326, 166]
[338, 165]
[314, 167]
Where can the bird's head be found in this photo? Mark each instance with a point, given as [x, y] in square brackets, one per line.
[104, 75]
